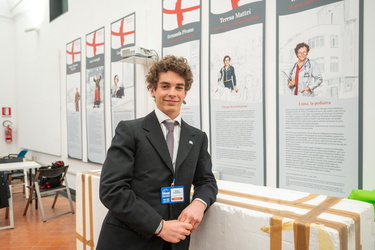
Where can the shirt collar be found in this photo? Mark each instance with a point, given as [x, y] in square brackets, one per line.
[162, 116]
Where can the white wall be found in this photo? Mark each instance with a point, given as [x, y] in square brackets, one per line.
[7, 80]
[42, 55]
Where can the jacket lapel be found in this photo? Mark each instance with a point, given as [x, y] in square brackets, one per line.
[155, 136]
[186, 143]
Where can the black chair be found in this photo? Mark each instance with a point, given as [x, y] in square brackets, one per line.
[36, 193]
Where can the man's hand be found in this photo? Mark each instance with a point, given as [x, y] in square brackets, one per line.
[193, 214]
[291, 84]
[174, 231]
[306, 89]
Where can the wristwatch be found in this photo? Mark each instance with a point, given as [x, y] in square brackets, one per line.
[159, 227]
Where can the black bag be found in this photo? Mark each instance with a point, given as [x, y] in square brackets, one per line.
[4, 189]
[50, 182]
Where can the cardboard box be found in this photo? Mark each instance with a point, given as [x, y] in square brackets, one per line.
[254, 217]
[90, 212]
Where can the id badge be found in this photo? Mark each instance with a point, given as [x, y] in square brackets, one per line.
[172, 194]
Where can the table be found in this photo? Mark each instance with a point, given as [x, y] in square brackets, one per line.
[25, 165]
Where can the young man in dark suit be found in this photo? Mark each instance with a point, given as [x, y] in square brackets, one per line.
[145, 187]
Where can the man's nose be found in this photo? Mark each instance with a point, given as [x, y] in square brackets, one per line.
[172, 92]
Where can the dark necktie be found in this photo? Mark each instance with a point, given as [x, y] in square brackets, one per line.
[170, 136]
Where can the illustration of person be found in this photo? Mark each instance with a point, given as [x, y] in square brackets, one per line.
[77, 97]
[97, 79]
[115, 87]
[227, 75]
[305, 75]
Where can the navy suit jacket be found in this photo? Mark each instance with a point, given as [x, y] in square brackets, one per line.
[136, 167]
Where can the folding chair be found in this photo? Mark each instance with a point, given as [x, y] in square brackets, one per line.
[17, 174]
[37, 194]
[21, 154]
[6, 199]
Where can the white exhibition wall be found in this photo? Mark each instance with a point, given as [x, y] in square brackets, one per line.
[8, 79]
[33, 83]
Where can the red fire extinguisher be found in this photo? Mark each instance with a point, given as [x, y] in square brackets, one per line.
[8, 131]
[8, 134]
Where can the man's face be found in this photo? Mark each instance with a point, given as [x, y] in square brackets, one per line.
[169, 93]
[302, 53]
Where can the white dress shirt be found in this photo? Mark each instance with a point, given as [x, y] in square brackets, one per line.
[176, 132]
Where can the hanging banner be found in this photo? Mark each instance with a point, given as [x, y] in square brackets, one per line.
[122, 74]
[182, 37]
[236, 90]
[73, 98]
[319, 95]
[95, 118]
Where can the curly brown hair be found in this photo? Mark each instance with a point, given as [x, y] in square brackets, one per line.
[179, 65]
[301, 45]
